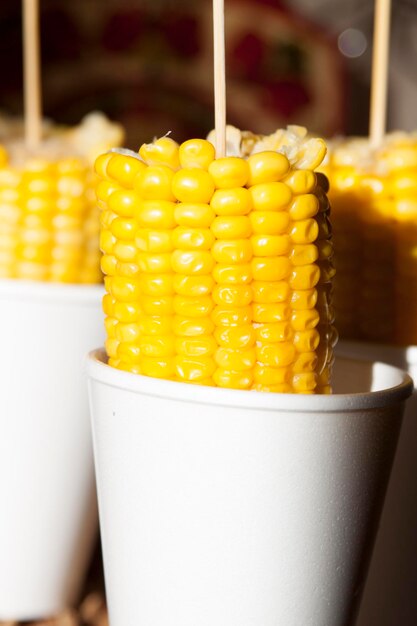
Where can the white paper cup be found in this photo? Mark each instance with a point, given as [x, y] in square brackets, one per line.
[390, 597]
[48, 514]
[235, 508]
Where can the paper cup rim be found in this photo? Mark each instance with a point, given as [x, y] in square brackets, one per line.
[40, 290]
[346, 347]
[98, 370]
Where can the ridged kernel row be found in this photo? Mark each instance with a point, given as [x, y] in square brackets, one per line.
[232, 294]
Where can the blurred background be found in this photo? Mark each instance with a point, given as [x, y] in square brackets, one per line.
[147, 63]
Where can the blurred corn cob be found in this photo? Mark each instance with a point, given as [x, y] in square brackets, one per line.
[219, 271]
[49, 222]
[374, 202]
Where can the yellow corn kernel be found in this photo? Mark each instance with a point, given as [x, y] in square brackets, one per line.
[123, 228]
[123, 202]
[129, 270]
[104, 190]
[304, 254]
[155, 325]
[283, 388]
[270, 196]
[127, 332]
[192, 238]
[122, 168]
[271, 245]
[236, 337]
[304, 382]
[233, 274]
[192, 262]
[276, 291]
[196, 153]
[236, 316]
[304, 207]
[231, 227]
[156, 345]
[235, 380]
[154, 263]
[192, 327]
[196, 346]
[271, 375]
[191, 306]
[193, 185]
[305, 231]
[100, 164]
[111, 346]
[229, 172]
[162, 305]
[193, 285]
[270, 268]
[123, 289]
[163, 151]
[235, 360]
[276, 354]
[125, 251]
[301, 181]
[157, 367]
[129, 353]
[232, 295]
[194, 215]
[234, 202]
[110, 324]
[158, 214]
[156, 285]
[304, 277]
[126, 312]
[269, 223]
[305, 319]
[155, 183]
[132, 368]
[152, 240]
[304, 299]
[306, 340]
[304, 362]
[235, 251]
[267, 167]
[266, 313]
[108, 305]
[194, 368]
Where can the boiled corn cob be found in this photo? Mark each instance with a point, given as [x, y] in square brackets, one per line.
[219, 271]
[373, 196]
[48, 215]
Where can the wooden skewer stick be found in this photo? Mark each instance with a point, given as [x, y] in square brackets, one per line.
[31, 71]
[219, 78]
[380, 68]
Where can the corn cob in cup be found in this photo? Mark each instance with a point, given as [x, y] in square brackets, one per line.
[219, 271]
[49, 222]
[374, 202]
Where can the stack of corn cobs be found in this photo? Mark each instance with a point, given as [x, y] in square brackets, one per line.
[48, 214]
[219, 271]
[373, 193]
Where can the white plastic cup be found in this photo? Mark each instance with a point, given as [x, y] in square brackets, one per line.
[235, 508]
[390, 597]
[48, 518]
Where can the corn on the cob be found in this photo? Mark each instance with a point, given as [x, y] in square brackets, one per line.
[48, 215]
[374, 218]
[219, 271]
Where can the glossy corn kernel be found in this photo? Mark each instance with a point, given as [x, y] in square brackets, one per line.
[49, 220]
[218, 270]
[374, 218]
